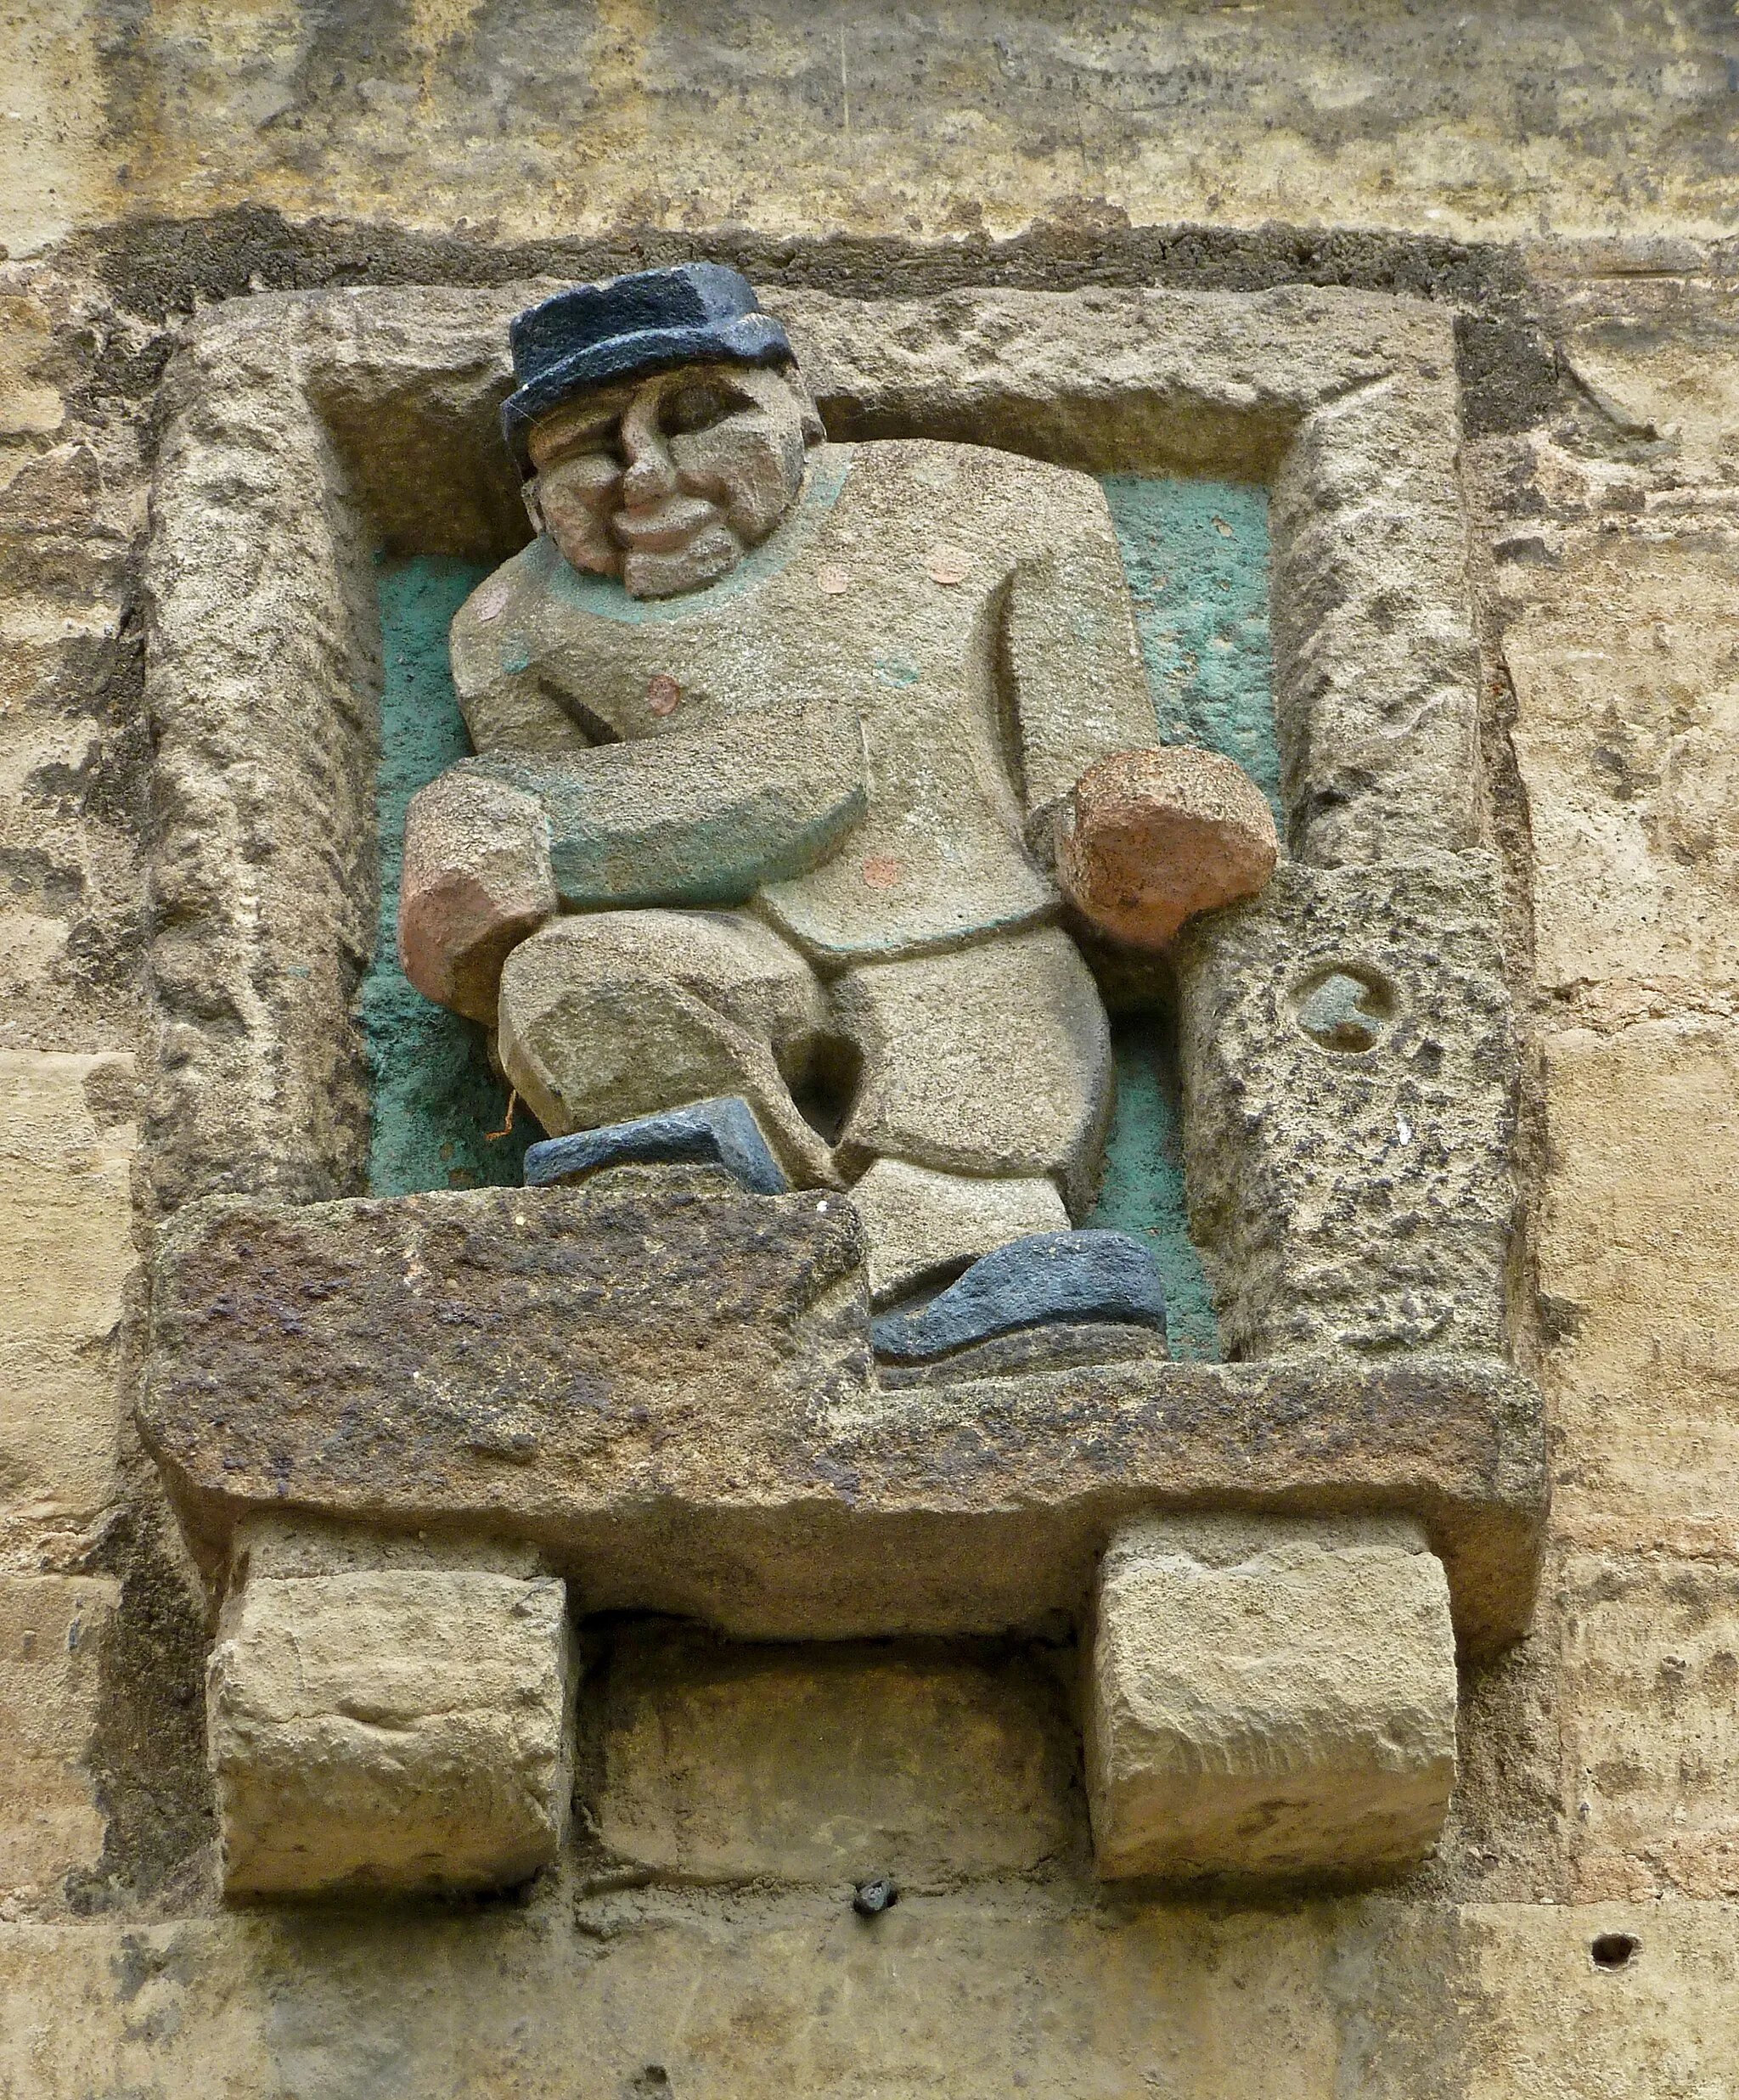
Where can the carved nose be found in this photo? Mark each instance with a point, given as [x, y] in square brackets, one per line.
[650, 474]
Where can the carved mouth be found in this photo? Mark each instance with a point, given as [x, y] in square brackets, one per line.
[664, 527]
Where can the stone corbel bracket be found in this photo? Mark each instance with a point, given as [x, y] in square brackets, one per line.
[672, 1400]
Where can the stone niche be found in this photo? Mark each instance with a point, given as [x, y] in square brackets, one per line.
[658, 1388]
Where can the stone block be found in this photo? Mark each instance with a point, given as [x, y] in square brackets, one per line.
[67, 1136]
[395, 1728]
[1638, 1246]
[1626, 730]
[830, 1762]
[51, 1633]
[1349, 1064]
[1268, 1696]
[666, 1381]
[920, 1225]
[1650, 1661]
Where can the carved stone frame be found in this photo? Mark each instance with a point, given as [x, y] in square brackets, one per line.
[302, 432]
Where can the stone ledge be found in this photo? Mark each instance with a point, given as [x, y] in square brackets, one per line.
[664, 1384]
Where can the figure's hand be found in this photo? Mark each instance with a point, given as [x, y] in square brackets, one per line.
[478, 880]
[1149, 838]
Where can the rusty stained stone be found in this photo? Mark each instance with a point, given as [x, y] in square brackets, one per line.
[664, 1384]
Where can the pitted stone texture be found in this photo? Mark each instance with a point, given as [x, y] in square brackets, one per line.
[829, 1761]
[992, 1061]
[1150, 838]
[476, 882]
[920, 1224]
[1376, 667]
[396, 1729]
[1268, 1696]
[1341, 1196]
[263, 635]
[664, 1383]
[606, 1017]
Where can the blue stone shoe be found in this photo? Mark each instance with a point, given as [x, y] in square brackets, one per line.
[1039, 1282]
[720, 1132]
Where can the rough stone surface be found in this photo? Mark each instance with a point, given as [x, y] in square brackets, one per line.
[394, 1728]
[1268, 1696]
[1150, 838]
[1341, 1195]
[666, 1382]
[711, 1134]
[1650, 1742]
[1637, 1248]
[207, 154]
[1293, 125]
[1109, 1278]
[263, 870]
[744, 1764]
[67, 1135]
[922, 1225]
[476, 881]
[52, 1628]
[1636, 827]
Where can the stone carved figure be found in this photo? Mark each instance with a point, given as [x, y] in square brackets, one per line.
[790, 756]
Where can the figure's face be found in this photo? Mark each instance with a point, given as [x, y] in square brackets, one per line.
[666, 481]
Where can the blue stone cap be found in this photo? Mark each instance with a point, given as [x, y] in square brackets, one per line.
[626, 326]
[1039, 1282]
[719, 1133]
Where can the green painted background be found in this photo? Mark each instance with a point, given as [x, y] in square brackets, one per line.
[435, 1098]
[1197, 556]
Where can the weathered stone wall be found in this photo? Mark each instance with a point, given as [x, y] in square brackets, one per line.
[1561, 180]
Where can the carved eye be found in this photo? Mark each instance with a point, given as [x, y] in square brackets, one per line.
[699, 407]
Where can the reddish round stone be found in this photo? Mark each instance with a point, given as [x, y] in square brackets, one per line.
[1151, 837]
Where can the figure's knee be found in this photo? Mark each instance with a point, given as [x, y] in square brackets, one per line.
[606, 1017]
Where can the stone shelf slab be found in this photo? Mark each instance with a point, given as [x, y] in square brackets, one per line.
[664, 1384]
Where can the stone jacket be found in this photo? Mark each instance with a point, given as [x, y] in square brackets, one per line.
[863, 726]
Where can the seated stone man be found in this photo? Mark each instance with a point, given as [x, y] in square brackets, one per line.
[776, 739]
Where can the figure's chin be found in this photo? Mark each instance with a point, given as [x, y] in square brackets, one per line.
[709, 556]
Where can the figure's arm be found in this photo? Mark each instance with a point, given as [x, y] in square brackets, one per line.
[501, 842]
[1142, 839]
[700, 818]
[1078, 689]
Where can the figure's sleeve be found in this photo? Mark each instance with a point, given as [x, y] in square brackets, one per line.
[694, 820]
[506, 709]
[1077, 688]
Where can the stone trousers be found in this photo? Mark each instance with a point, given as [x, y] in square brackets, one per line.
[991, 1062]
